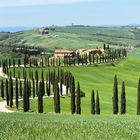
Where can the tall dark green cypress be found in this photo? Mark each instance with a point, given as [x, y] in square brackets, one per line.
[20, 89]
[138, 98]
[61, 86]
[19, 62]
[2, 89]
[78, 101]
[33, 81]
[97, 104]
[9, 63]
[28, 95]
[25, 97]
[16, 93]
[92, 102]
[115, 96]
[36, 75]
[11, 91]
[123, 99]
[40, 98]
[43, 84]
[49, 84]
[7, 93]
[56, 98]
[72, 95]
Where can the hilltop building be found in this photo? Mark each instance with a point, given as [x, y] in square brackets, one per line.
[63, 53]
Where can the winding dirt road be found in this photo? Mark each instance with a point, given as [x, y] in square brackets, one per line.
[3, 103]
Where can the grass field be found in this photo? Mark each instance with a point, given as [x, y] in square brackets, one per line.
[100, 78]
[28, 126]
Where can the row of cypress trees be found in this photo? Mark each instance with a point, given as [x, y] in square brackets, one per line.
[123, 98]
[115, 97]
[77, 59]
[95, 105]
[7, 90]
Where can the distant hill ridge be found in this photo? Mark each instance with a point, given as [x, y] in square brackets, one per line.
[14, 29]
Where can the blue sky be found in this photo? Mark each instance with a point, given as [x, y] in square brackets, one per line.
[65, 12]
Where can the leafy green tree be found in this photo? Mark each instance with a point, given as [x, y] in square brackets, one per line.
[123, 99]
[92, 102]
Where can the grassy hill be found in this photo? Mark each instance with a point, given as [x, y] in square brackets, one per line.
[74, 37]
[99, 77]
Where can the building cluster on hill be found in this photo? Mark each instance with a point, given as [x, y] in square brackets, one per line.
[46, 30]
[63, 53]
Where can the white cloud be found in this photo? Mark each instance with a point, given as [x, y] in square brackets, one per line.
[7, 3]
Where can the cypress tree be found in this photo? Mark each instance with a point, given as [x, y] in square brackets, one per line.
[30, 62]
[2, 89]
[29, 88]
[115, 96]
[36, 75]
[61, 86]
[40, 98]
[14, 72]
[49, 85]
[33, 81]
[72, 95]
[19, 62]
[138, 98]
[18, 74]
[123, 99]
[78, 101]
[11, 91]
[7, 93]
[16, 93]
[13, 62]
[56, 98]
[43, 84]
[90, 58]
[20, 89]
[92, 102]
[9, 63]
[28, 95]
[97, 104]
[25, 97]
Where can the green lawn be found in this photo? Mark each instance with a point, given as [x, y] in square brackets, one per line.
[26, 126]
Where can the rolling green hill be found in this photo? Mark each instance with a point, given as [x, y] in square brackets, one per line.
[74, 37]
[99, 77]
